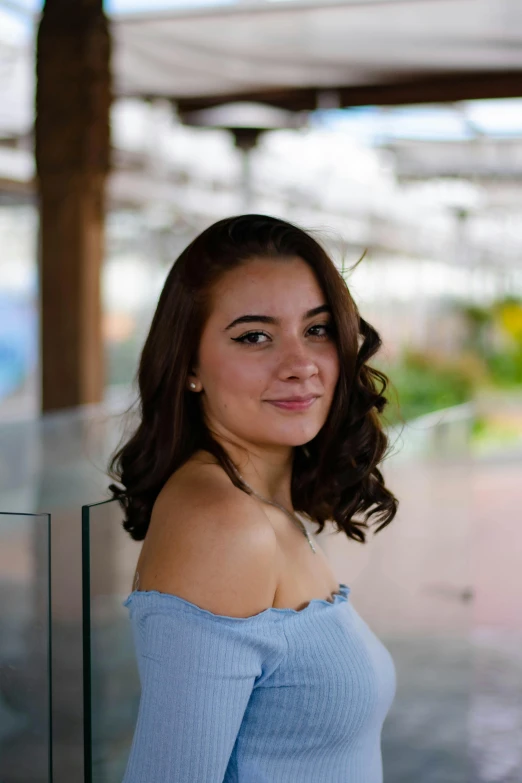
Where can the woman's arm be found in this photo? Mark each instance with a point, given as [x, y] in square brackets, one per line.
[200, 647]
[195, 690]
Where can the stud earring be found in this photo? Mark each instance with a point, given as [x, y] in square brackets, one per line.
[192, 385]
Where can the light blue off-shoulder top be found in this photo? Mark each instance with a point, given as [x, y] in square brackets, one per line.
[283, 696]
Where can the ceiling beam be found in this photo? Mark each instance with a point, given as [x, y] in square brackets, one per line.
[446, 87]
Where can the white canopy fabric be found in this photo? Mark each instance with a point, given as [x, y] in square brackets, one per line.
[305, 55]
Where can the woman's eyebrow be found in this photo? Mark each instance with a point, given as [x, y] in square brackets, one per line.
[268, 319]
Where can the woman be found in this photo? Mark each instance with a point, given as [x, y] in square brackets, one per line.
[257, 402]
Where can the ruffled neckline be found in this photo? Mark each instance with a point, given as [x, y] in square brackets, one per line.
[144, 599]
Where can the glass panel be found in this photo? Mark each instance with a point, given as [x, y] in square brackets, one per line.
[25, 649]
[111, 682]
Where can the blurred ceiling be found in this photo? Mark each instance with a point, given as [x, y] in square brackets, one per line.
[307, 55]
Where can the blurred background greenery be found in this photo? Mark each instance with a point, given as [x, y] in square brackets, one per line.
[486, 366]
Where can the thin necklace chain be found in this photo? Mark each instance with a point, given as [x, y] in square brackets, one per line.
[294, 519]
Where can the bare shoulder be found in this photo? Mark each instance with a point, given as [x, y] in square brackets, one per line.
[211, 544]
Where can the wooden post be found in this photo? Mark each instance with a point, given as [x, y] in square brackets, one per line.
[72, 147]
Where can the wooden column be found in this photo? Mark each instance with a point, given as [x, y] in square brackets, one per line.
[72, 147]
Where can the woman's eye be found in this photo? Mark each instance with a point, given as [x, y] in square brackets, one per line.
[244, 338]
[328, 329]
[250, 338]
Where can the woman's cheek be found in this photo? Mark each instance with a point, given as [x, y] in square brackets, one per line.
[246, 376]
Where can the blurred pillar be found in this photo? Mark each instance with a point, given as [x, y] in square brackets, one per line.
[72, 147]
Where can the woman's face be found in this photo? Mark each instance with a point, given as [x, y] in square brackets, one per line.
[267, 342]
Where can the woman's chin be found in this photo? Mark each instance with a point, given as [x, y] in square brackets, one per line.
[292, 439]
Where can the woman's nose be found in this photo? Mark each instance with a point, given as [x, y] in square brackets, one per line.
[297, 362]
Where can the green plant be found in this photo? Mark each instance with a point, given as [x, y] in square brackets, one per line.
[425, 382]
[506, 367]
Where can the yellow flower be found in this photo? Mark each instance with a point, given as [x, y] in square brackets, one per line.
[510, 316]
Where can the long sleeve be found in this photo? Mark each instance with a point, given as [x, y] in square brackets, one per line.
[197, 671]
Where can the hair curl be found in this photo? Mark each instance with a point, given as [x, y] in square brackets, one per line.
[336, 476]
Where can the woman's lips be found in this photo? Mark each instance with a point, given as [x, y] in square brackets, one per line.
[293, 405]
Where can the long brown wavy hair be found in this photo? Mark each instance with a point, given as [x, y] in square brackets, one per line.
[335, 475]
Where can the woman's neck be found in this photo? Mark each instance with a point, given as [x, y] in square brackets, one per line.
[269, 473]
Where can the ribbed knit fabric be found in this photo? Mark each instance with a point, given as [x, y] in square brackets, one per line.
[284, 696]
